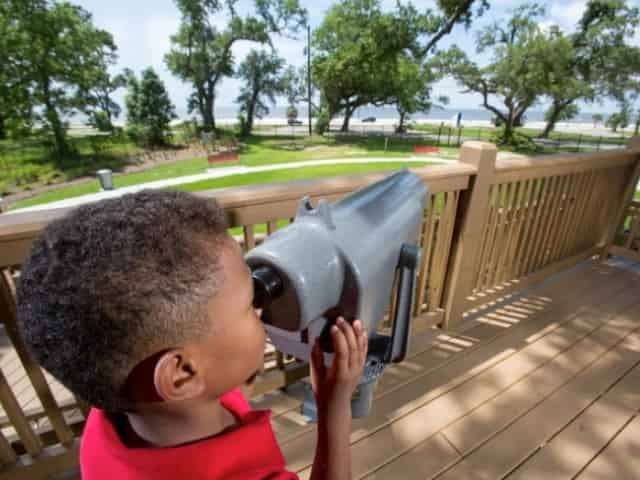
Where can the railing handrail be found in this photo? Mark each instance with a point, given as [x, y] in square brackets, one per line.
[239, 202]
[512, 168]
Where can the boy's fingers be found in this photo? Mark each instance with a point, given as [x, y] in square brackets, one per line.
[349, 334]
[364, 346]
[318, 358]
[341, 349]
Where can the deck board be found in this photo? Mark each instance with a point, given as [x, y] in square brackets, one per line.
[620, 460]
[565, 455]
[409, 415]
[542, 384]
[479, 416]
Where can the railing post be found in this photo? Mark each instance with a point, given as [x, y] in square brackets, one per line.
[625, 200]
[470, 221]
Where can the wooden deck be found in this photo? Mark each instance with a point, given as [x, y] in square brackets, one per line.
[545, 384]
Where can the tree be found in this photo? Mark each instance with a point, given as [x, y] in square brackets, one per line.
[412, 89]
[261, 74]
[358, 47]
[201, 52]
[16, 108]
[63, 54]
[149, 109]
[553, 115]
[106, 109]
[595, 62]
[597, 118]
[294, 81]
[292, 113]
[523, 54]
[618, 120]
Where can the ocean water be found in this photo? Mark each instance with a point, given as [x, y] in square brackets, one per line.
[468, 114]
[381, 113]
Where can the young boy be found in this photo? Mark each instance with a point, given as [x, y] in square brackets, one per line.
[143, 306]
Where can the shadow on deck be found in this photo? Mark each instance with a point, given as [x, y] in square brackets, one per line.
[543, 384]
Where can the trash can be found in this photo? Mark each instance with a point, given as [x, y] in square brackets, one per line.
[105, 177]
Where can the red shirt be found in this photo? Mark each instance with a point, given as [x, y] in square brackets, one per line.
[247, 452]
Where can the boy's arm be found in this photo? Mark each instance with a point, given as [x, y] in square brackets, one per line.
[333, 388]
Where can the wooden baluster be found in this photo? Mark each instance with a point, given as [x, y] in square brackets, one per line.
[508, 233]
[471, 217]
[542, 212]
[533, 211]
[625, 199]
[428, 231]
[7, 454]
[249, 237]
[19, 421]
[524, 212]
[440, 271]
[494, 235]
[481, 262]
[40, 385]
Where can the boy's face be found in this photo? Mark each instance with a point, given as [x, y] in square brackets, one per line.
[234, 352]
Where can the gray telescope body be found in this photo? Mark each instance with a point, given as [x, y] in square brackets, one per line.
[342, 260]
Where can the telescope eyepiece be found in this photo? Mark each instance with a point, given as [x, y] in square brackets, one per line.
[267, 286]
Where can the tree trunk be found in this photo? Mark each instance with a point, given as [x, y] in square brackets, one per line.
[206, 100]
[347, 116]
[508, 128]
[60, 142]
[248, 122]
[635, 132]
[553, 119]
[400, 128]
[3, 130]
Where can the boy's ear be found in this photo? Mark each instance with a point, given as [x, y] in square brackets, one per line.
[176, 376]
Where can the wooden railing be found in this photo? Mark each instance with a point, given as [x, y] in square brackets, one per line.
[627, 241]
[490, 227]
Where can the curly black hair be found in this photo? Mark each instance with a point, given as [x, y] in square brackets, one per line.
[116, 281]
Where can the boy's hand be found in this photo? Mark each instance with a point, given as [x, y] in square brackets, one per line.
[333, 387]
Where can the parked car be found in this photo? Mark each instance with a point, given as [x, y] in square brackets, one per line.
[294, 122]
[369, 120]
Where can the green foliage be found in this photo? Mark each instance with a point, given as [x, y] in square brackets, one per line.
[322, 122]
[101, 121]
[618, 120]
[412, 86]
[292, 113]
[106, 109]
[523, 55]
[16, 106]
[58, 56]
[596, 61]
[359, 48]
[201, 52]
[149, 109]
[260, 72]
[567, 113]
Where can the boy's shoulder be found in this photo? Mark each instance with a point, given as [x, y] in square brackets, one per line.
[248, 451]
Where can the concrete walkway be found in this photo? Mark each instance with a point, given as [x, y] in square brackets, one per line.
[219, 173]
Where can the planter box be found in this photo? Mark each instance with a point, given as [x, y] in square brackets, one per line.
[223, 157]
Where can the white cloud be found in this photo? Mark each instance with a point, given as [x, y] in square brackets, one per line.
[567, 14]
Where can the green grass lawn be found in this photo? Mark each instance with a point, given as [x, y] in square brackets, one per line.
[29, 162]
[255, 151]
[292, 174]
[284, 175]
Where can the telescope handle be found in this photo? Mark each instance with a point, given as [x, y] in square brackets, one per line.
[397, 348]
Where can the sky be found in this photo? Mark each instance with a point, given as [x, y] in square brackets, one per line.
[142, 30]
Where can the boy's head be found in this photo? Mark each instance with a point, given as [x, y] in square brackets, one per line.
[143, 298]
